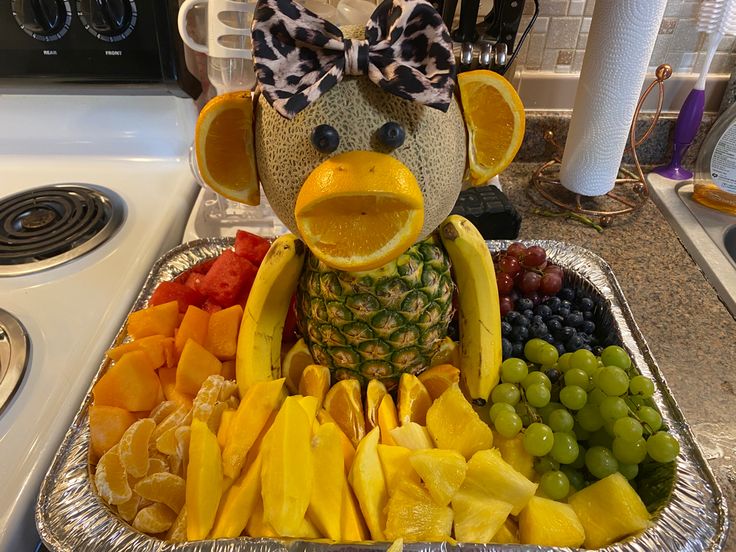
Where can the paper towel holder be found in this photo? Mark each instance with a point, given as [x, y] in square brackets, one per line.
[630, 191]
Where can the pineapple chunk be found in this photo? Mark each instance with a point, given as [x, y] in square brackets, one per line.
[550, 523]
[508, 533]
[367, 481]
[454, 425]
[609, 510]
[413, 516]
[490, 474]
[396, 466]
[412, 436]
[443, 471]
[478, 517]
[513, 451]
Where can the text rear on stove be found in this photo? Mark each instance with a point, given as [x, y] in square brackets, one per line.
[86, 43]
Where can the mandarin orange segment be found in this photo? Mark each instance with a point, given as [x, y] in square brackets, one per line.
[166, 443]
[343, 403]
[374, 393]
[163, 409]
[207, 397]
[154, 519]
[414, 400]
[439, 378]
[128, 509]
[134, 447]
[183, 436]
[157, 465]
[111, 479]
[178, 530]
[228, 389]
[163, 487]
[315, 382]
[181, 416]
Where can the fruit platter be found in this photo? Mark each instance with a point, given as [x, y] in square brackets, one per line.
[682, 505]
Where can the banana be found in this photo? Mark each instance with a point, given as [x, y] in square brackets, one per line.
[258, 355]
[480, 315]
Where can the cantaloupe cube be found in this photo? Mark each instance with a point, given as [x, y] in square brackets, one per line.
[131, 383]
[193, 326]
[196, 364]
[550, 523]
[222, 332]
[158, 320]
[170, 355]
[609, 510]
[106, 426]
[168, 384]
[153, 346]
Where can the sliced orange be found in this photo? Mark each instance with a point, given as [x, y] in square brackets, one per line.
[343, 403]
[374, 394]
[439, 378]
[359, 210]
[315, 382]
[387, 419]
[223, 146]
[494, 117]
[294, 363]
[414, 400]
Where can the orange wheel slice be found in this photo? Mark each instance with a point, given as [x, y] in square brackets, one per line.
[494, 116]
[414, 400]
[439, 379]
[223, 146]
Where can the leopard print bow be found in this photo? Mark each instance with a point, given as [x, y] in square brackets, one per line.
[299, 56]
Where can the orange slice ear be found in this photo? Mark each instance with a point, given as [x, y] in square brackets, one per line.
[494, 117]
[223, 147]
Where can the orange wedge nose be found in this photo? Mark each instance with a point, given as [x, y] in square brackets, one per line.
[359, 210]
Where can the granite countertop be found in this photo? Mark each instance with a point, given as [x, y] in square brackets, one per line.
[691, 334]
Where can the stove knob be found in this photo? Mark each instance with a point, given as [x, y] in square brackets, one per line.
[108, 20]
[44, 20]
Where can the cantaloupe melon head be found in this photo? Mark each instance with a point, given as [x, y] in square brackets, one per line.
[434, 149]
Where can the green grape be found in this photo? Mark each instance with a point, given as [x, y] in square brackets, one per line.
[508, 424]
[650, 417]
[589, 418]
[536, 377]
[584, 360]
[613, 408]
[513, 370]
[608, 426]
[555, 484]
[641, 385]
[537, 395]
[580, 432]
[596, 396]
[546, 411]
[573, 396]
[525, 412]
[538, 439]
[497, 408]
[507, 393]
[531, 347]
[547, 355]
[628, 429]
[579, 462]
[574, 476]
[663, 447]
[563, 363]
[544, 464]
[600, 462]
[565, 448]
[629, 471]
[600, 438]
[613, 355]
[576, 376]
[629, 452]
[560, 420]
[613, 381]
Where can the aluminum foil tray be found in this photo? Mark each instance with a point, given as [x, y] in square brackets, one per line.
[689, 510]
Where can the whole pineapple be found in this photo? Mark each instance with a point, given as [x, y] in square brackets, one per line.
[378, 323]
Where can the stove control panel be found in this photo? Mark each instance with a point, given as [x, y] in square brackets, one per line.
[92, 46]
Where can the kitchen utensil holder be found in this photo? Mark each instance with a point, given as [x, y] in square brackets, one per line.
[630, 191]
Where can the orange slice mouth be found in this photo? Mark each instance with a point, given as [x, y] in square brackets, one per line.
[359, 210]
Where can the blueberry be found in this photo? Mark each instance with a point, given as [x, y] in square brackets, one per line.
[586, 304]
[538, 329]
[556, 317]
[548, 338]
[563, 312]
[597, 350]
[588, 327]
[512, 317]
[506, 348]
[536, 319]
[523, 321]
[588, 315]
[517, 349]
[587, 347]
[524, 304]
[574, 343]
[567, 294]
[392, 135]
[565, 333]
[574, 319]
[528, 313]
[560, 348]
[553, 374]
[519, 333]
[565, 304]
[325, 138]
[544, 311]
[553, 303]
[553, 324]
[505, 328]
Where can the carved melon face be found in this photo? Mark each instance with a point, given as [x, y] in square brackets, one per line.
[434, 148]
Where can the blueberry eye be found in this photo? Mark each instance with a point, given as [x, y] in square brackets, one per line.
[325, 138]
[392, 134]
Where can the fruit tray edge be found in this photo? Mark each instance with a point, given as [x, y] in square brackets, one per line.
[70, 516]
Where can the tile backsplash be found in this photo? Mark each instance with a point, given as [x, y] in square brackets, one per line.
[557, 40]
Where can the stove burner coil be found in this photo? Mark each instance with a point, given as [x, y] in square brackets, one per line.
[14, 347]
[44, 227]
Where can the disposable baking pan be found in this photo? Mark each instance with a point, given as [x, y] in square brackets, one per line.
[689, 510]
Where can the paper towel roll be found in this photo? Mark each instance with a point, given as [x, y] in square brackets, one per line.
[620, 43]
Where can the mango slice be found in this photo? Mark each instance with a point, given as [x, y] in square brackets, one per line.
[325, 504]
[204, 481]
[367, 480]
[352, 524]
[239, 502]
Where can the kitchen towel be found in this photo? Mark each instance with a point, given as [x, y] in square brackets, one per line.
[620, 43]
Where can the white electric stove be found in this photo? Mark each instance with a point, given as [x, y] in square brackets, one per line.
[95, 185]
